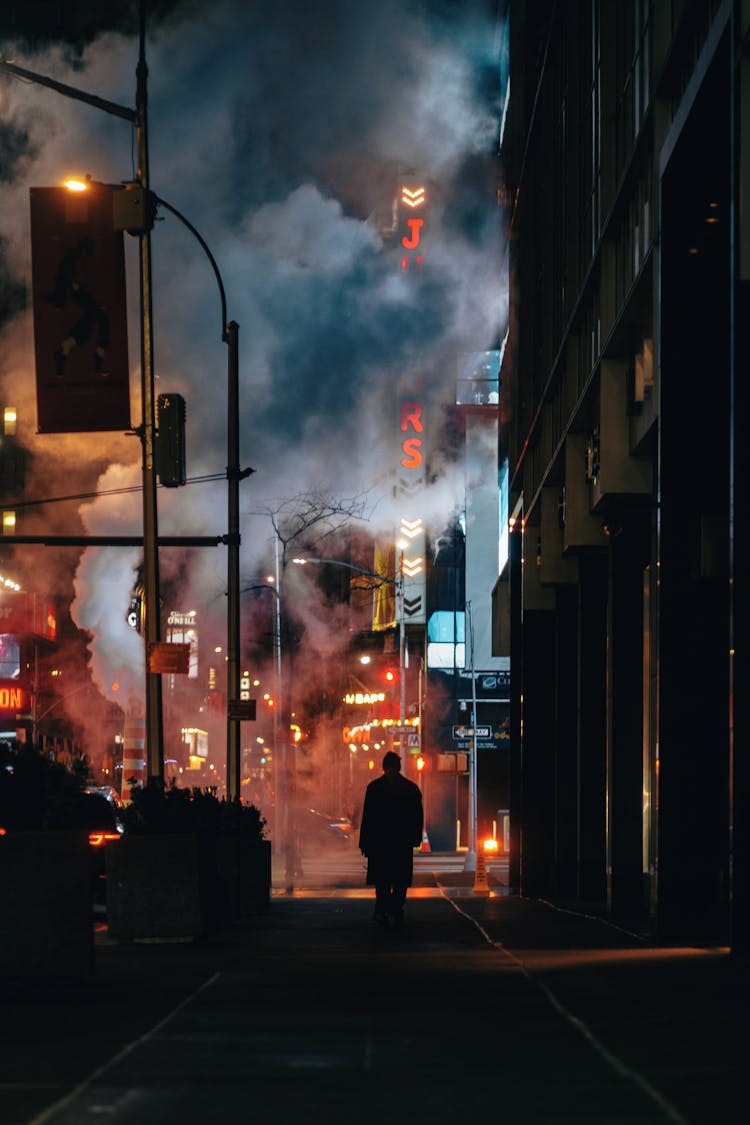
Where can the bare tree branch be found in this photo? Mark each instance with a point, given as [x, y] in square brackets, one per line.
[310, 518]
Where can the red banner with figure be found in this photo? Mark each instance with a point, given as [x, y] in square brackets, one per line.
[80, 323]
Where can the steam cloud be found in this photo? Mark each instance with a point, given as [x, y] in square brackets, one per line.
[279, 130]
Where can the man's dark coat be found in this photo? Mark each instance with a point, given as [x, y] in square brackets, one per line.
[392, 821]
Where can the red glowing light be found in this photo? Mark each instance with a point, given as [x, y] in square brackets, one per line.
[412, 241]
[411, 416]
[404, 263]
[96, 839]
[412, 458]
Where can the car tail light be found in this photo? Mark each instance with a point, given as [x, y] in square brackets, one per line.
[96, 839]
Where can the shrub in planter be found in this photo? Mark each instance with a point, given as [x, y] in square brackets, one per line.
[200, 851]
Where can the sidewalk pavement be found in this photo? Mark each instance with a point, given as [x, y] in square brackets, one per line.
[490, 1008]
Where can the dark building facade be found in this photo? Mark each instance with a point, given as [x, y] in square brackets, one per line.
[623, 397]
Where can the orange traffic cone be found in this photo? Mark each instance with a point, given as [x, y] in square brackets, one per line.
[425, 845]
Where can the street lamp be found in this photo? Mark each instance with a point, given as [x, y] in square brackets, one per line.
[229, 331]
[138, 118]
[229, 335]
[283, 768]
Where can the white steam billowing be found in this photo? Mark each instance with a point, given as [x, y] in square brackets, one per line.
[279, 130]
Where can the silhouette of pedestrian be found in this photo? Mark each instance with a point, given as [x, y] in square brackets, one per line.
[392, 821]
[71, 286]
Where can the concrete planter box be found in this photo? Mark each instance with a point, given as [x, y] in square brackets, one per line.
[236, 878]
[178, 887]
[47, 928]
[154, 888]
[254, 877]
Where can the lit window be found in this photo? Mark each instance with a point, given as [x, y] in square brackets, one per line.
[9, 523]
[9, 420]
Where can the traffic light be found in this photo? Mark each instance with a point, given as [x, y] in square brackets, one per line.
[420, 764]
[170, 440]
[390, 675]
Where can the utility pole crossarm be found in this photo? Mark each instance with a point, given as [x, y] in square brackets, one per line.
[70, 91]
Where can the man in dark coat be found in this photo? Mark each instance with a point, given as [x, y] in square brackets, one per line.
[392, 821]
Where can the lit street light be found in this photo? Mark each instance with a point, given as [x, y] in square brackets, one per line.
[138, 118]
[139, 190]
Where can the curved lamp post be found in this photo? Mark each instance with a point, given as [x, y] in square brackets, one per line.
[229, 335]
[138, 118]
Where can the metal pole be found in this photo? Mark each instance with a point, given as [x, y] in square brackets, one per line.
[284, 788]
[401, 643]
[233, 566]
[470, 864]
[229, 334]
[154, 729]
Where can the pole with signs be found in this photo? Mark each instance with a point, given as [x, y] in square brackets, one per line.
[470, 861]
[139, 119]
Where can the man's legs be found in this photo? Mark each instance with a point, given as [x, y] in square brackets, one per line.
[382, 901]
[397, 900]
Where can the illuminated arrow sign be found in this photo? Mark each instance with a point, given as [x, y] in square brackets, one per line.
[412, 566]
[412, 198]
[412, 606]
[410, 529]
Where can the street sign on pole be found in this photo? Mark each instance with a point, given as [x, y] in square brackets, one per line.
[469, 732]
[165, 658]
[241, 709]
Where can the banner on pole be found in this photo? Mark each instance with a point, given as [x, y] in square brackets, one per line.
[80, 322]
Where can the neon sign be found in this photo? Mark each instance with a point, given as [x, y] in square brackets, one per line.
[360, 697]
[12, 697]
[413, 198]
[410, 238]
[411, 208]
[411, 447]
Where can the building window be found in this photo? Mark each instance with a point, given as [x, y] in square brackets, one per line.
[10, 657]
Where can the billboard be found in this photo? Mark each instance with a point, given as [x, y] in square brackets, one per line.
[80, 325]
[24, 614]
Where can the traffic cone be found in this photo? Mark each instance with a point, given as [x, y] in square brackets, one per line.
[481, 885]
[425, 845]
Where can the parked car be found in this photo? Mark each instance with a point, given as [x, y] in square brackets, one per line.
[96, 813]
[112, 797]
[101, 814]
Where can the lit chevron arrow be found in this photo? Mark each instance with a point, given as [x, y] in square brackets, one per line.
[412, 567]
[410, 528]
[412, 198]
